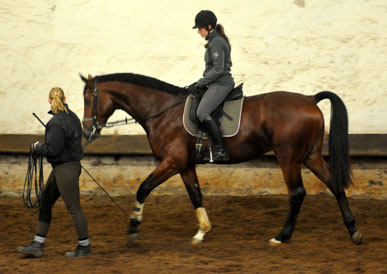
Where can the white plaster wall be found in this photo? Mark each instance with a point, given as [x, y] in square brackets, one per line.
[298, 45]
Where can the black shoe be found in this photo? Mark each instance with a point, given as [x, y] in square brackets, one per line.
[220, 154]
[35, 249]
[80, 251]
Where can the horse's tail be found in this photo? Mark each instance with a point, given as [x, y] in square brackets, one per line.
[339, 163]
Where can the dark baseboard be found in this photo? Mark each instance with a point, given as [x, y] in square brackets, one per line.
[361, 145]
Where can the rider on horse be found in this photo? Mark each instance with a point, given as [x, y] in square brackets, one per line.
[216, 79]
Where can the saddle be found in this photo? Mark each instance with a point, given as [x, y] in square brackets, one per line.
[233, 101]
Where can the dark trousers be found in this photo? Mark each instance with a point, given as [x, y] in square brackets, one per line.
[63, 181]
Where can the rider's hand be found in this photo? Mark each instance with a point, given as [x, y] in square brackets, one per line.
[191, 88]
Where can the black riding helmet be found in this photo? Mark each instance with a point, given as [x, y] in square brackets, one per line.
[205, 18]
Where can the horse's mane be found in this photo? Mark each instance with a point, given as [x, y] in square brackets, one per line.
[142, 80]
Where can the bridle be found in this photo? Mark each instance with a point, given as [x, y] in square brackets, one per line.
[98, 126]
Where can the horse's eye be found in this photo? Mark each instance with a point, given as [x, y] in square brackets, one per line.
[87, 101]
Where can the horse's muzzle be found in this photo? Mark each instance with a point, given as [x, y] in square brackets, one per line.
[91, 133]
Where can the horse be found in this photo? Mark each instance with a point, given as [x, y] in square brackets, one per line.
[289, 124]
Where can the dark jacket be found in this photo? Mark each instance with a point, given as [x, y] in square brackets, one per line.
[218, 62]
[62, 139]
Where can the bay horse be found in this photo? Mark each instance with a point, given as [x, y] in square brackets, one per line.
[289, 124]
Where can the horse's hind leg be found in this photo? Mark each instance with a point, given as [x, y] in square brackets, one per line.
[292, 175]
[192, 185]
[316, 163]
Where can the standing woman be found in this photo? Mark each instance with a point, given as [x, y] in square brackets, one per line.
[63, 149]
[216, 77]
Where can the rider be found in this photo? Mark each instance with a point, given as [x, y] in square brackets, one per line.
[64, 151]
[216, 77]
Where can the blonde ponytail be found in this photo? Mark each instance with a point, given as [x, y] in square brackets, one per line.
[57, 96]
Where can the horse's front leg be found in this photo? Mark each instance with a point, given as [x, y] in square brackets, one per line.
[165, 170]
[191, 183]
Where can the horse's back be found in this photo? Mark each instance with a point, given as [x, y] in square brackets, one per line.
[286, 116]
[283, 98]
[276, 104]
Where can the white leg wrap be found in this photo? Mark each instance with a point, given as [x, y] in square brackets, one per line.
[204, 222]
[199, 236]
[137, 211]
[204, 225]
[274, 242]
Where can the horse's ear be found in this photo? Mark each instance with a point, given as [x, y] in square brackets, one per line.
[90, 77]
[83, 78]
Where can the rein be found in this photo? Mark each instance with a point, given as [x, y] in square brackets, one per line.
[178, 102]
[96, 125]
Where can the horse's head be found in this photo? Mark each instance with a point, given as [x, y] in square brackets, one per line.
[97, 108]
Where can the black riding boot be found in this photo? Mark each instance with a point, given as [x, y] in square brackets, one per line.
[220, 153]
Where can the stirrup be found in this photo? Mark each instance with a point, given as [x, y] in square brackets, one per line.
[218, 155]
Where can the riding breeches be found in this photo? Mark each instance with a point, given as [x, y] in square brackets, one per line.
[63, 181]
[212, 98]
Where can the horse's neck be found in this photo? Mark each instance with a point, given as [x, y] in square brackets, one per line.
[142, 102]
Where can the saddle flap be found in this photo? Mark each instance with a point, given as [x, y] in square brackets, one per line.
[229, 127]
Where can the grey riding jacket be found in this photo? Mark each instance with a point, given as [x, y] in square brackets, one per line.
[218, 62]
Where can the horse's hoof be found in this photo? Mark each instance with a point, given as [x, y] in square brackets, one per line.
[274, 242]
[133, 237]
[196, 241]
[357, 238]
